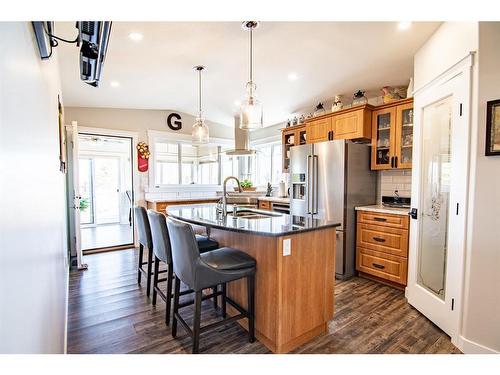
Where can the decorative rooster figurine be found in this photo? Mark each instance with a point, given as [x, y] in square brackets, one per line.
[391, 94]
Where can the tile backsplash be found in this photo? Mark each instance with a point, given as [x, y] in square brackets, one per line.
[391, 180]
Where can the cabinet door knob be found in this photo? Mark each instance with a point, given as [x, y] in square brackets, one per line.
[378, 239]
[378, 266]
[379, 219]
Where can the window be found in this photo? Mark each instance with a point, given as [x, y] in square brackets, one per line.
[175, 163]
[265, 165]
[166, 160]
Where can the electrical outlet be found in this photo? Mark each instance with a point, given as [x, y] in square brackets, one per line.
[287, 247]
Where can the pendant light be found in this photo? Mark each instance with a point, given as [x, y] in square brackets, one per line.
[199, 132]
[251, 108]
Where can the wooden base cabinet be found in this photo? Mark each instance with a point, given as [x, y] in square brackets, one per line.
[382, 246]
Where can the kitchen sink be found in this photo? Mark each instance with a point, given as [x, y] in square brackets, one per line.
[246, 213]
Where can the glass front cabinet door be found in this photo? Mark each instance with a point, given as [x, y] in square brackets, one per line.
[404, 136]
[382, 138]
[392, 137]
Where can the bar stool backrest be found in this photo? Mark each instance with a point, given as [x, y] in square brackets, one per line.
[143, 228]
[161, 240]
[185, 253]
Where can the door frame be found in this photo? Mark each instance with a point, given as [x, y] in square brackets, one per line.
[135, 171]
[456, 265]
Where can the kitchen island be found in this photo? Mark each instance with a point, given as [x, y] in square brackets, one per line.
[294, 290]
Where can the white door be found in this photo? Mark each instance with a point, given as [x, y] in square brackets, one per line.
[75, 193]
[439, 180]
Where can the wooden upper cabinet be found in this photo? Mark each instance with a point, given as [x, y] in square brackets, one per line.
[319, 130]
[392, 136]
[352, 125]
[290, 137]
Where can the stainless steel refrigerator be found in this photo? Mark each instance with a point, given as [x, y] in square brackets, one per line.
[327, 181]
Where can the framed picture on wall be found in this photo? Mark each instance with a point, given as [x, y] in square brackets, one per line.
[493, 127]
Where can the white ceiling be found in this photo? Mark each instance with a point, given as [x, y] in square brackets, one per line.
[156, 73]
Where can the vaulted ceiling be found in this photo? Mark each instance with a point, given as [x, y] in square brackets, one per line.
[296, 64]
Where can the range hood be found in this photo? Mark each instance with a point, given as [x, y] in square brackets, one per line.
[241, 142]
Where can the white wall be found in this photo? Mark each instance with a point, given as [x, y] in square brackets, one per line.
[449, 44]
[481, 323]
[33, 270]
[137, 120]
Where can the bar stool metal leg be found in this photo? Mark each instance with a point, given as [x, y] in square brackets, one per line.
[251, 307]
[170, 276]
[150, 266]
[177, 289]
[155, 279]
[196, 321]
[214, 290]
[141, 254]
[223, 300]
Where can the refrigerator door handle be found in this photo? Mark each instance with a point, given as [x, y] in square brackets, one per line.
[308, 186]
[315, 182]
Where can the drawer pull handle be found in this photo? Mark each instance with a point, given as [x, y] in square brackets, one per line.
[379, 219]
[378, 266]
[378, 239]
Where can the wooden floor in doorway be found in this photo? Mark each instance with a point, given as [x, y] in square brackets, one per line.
[110, 313]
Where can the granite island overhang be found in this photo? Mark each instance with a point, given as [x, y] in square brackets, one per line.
[294, 290]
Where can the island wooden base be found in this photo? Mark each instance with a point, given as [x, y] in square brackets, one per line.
[294, 294]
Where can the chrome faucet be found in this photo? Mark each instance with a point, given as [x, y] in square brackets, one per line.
[223, 209]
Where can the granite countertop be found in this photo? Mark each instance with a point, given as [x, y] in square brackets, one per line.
[276, 225]
[384, 209]
[275, 199]
[156, 200]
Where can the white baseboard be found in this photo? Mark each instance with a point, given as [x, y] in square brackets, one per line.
[470, 347]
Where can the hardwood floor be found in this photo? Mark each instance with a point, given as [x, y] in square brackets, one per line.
[110, 313]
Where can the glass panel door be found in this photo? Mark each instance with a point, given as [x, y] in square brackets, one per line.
[86, 191]
[436, 179]
[107, 189]
[382, 139]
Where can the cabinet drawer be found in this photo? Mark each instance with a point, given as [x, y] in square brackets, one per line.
[387, 220]
[265, 205]
[387, 240]
[382, 265]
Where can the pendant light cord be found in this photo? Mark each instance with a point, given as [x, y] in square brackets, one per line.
[251, 54]
[199, 89]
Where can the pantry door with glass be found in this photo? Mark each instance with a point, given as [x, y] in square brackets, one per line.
[439, 199]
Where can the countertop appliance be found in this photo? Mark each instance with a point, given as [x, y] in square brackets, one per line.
[328, 179]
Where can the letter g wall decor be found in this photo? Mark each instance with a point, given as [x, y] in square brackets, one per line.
[174, 121]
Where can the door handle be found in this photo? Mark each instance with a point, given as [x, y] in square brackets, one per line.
[379, 266]
[315, 177]
[309, 190]
[392, 161]
[379, 219]
[413, 213]
[395, 161]
[378, 239]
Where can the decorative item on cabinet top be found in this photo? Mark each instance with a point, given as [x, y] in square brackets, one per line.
[359, 98]
[392, 94]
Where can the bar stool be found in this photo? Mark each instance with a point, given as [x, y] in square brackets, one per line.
[201, 271]
[163, 253]
[145, 241]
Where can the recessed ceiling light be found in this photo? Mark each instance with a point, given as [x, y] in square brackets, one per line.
[404, 25]
[114, 84]
[237, 102]
[136, 37]
[292, 76]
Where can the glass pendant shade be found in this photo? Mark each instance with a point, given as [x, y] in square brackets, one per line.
[199, 132]
[251, 110]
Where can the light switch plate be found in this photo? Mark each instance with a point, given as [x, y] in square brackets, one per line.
[287, 247]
